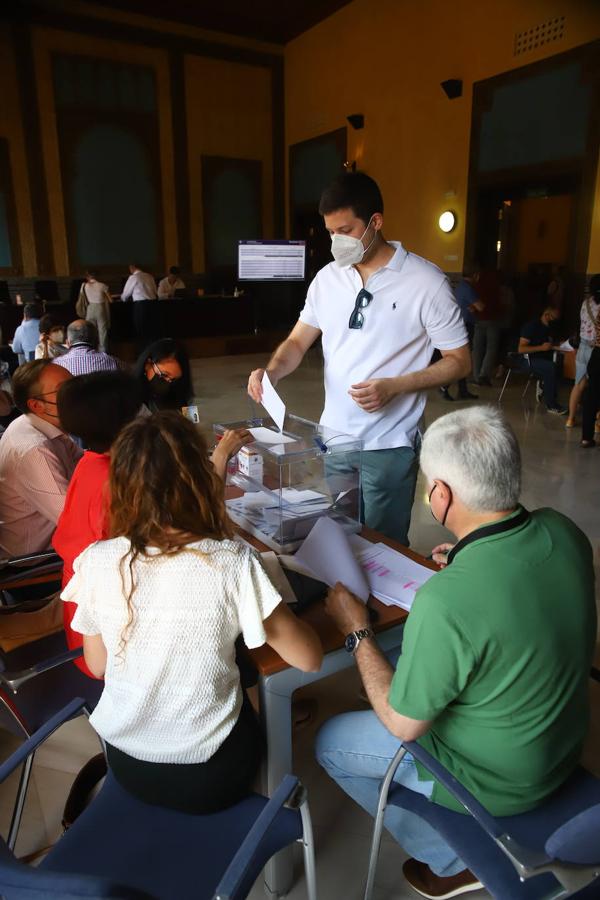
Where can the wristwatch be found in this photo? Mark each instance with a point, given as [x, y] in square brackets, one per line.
[355, 637]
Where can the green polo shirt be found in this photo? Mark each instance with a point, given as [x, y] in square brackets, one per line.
[496, 652]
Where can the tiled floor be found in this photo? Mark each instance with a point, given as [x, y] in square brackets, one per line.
[556, 473]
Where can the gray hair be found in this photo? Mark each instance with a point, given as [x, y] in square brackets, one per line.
[82, 331]
[476, 453]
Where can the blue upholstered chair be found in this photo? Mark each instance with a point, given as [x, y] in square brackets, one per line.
[37, 679]
[550, 852]
[120, 847]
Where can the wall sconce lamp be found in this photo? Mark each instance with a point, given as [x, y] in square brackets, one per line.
[447, 221]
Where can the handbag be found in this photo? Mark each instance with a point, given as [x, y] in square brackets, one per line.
[81, 307]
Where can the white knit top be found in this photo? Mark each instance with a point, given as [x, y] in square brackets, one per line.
[173, 693]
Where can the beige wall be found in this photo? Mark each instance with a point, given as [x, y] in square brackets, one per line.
[386, 59]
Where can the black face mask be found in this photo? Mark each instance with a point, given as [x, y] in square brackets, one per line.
[159, 387]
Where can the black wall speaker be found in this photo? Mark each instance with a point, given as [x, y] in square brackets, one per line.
[452, 88]
[357, 120]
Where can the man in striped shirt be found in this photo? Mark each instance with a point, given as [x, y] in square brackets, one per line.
[83, 356]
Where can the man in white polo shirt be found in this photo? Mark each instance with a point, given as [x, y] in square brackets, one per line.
[141, 288]
[381, 311]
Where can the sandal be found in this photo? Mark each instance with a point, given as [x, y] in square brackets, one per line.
[570, 423]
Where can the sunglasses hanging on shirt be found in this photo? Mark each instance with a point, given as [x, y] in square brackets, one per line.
[357, 319]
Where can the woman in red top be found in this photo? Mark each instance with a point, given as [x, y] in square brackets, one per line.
[95, 408]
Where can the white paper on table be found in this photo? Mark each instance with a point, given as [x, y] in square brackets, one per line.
[328, 555]
[565, 346]
[267, 436]
[272, 402]
[393, 578]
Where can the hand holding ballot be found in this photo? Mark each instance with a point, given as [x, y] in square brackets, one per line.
[255, 386]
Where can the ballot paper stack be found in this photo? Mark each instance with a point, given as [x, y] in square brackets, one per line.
[330, 555]
[296, 513]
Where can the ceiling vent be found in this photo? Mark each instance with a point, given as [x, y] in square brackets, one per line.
[539, 35]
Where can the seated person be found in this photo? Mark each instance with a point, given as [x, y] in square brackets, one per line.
[83, 356]
[27, 334]
[163, 373]
[167, 286]
[160, 606]
[536, 341]
[37, 460]
[493, 675]
[52, 339]
[95, 408]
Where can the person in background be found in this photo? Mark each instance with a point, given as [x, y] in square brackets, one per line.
[95, 408]
[471, 684]
[591, 397]
[380, 312]
[27, 334]
[98, 310]
[589, 317]
[555, 292]
[140, 288]
[37, 460]
[163, 373]
[486, 335]
[52, 339]
[83, 356]
[167, 286]
[537, 342]
[160, 606]
[466, 296]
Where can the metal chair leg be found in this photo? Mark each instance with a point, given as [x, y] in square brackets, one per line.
[308, 849]
[527, 383]
[378, 826]
[15, 822]
[504, 386]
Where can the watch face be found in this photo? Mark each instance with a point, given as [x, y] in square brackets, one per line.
[350, 643]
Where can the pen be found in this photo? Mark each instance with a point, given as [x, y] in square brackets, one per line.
[320, 444]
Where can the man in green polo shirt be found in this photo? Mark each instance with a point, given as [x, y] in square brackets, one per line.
[495, 660]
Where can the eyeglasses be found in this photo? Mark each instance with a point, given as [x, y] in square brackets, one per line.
[363, 298]
[162, 375]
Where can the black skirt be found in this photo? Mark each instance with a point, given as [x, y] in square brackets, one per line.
[221, 781]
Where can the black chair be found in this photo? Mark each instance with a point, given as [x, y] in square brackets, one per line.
[120, 847]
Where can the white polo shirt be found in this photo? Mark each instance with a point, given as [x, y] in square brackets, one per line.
[413, 311]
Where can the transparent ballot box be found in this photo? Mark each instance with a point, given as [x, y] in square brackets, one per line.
[281, 483]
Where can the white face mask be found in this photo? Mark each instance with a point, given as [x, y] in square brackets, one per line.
[348, 250]
[58, 337]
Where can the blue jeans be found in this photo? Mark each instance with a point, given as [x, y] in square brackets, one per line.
[355, 749]
[545, 369]
[388, 482]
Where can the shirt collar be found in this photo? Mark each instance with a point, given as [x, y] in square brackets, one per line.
[516, 519]
[399, 257]
[47, 428]
[81, 345]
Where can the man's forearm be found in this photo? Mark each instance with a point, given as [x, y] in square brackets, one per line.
[443, 372]
[376, 674]
[286, 359]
